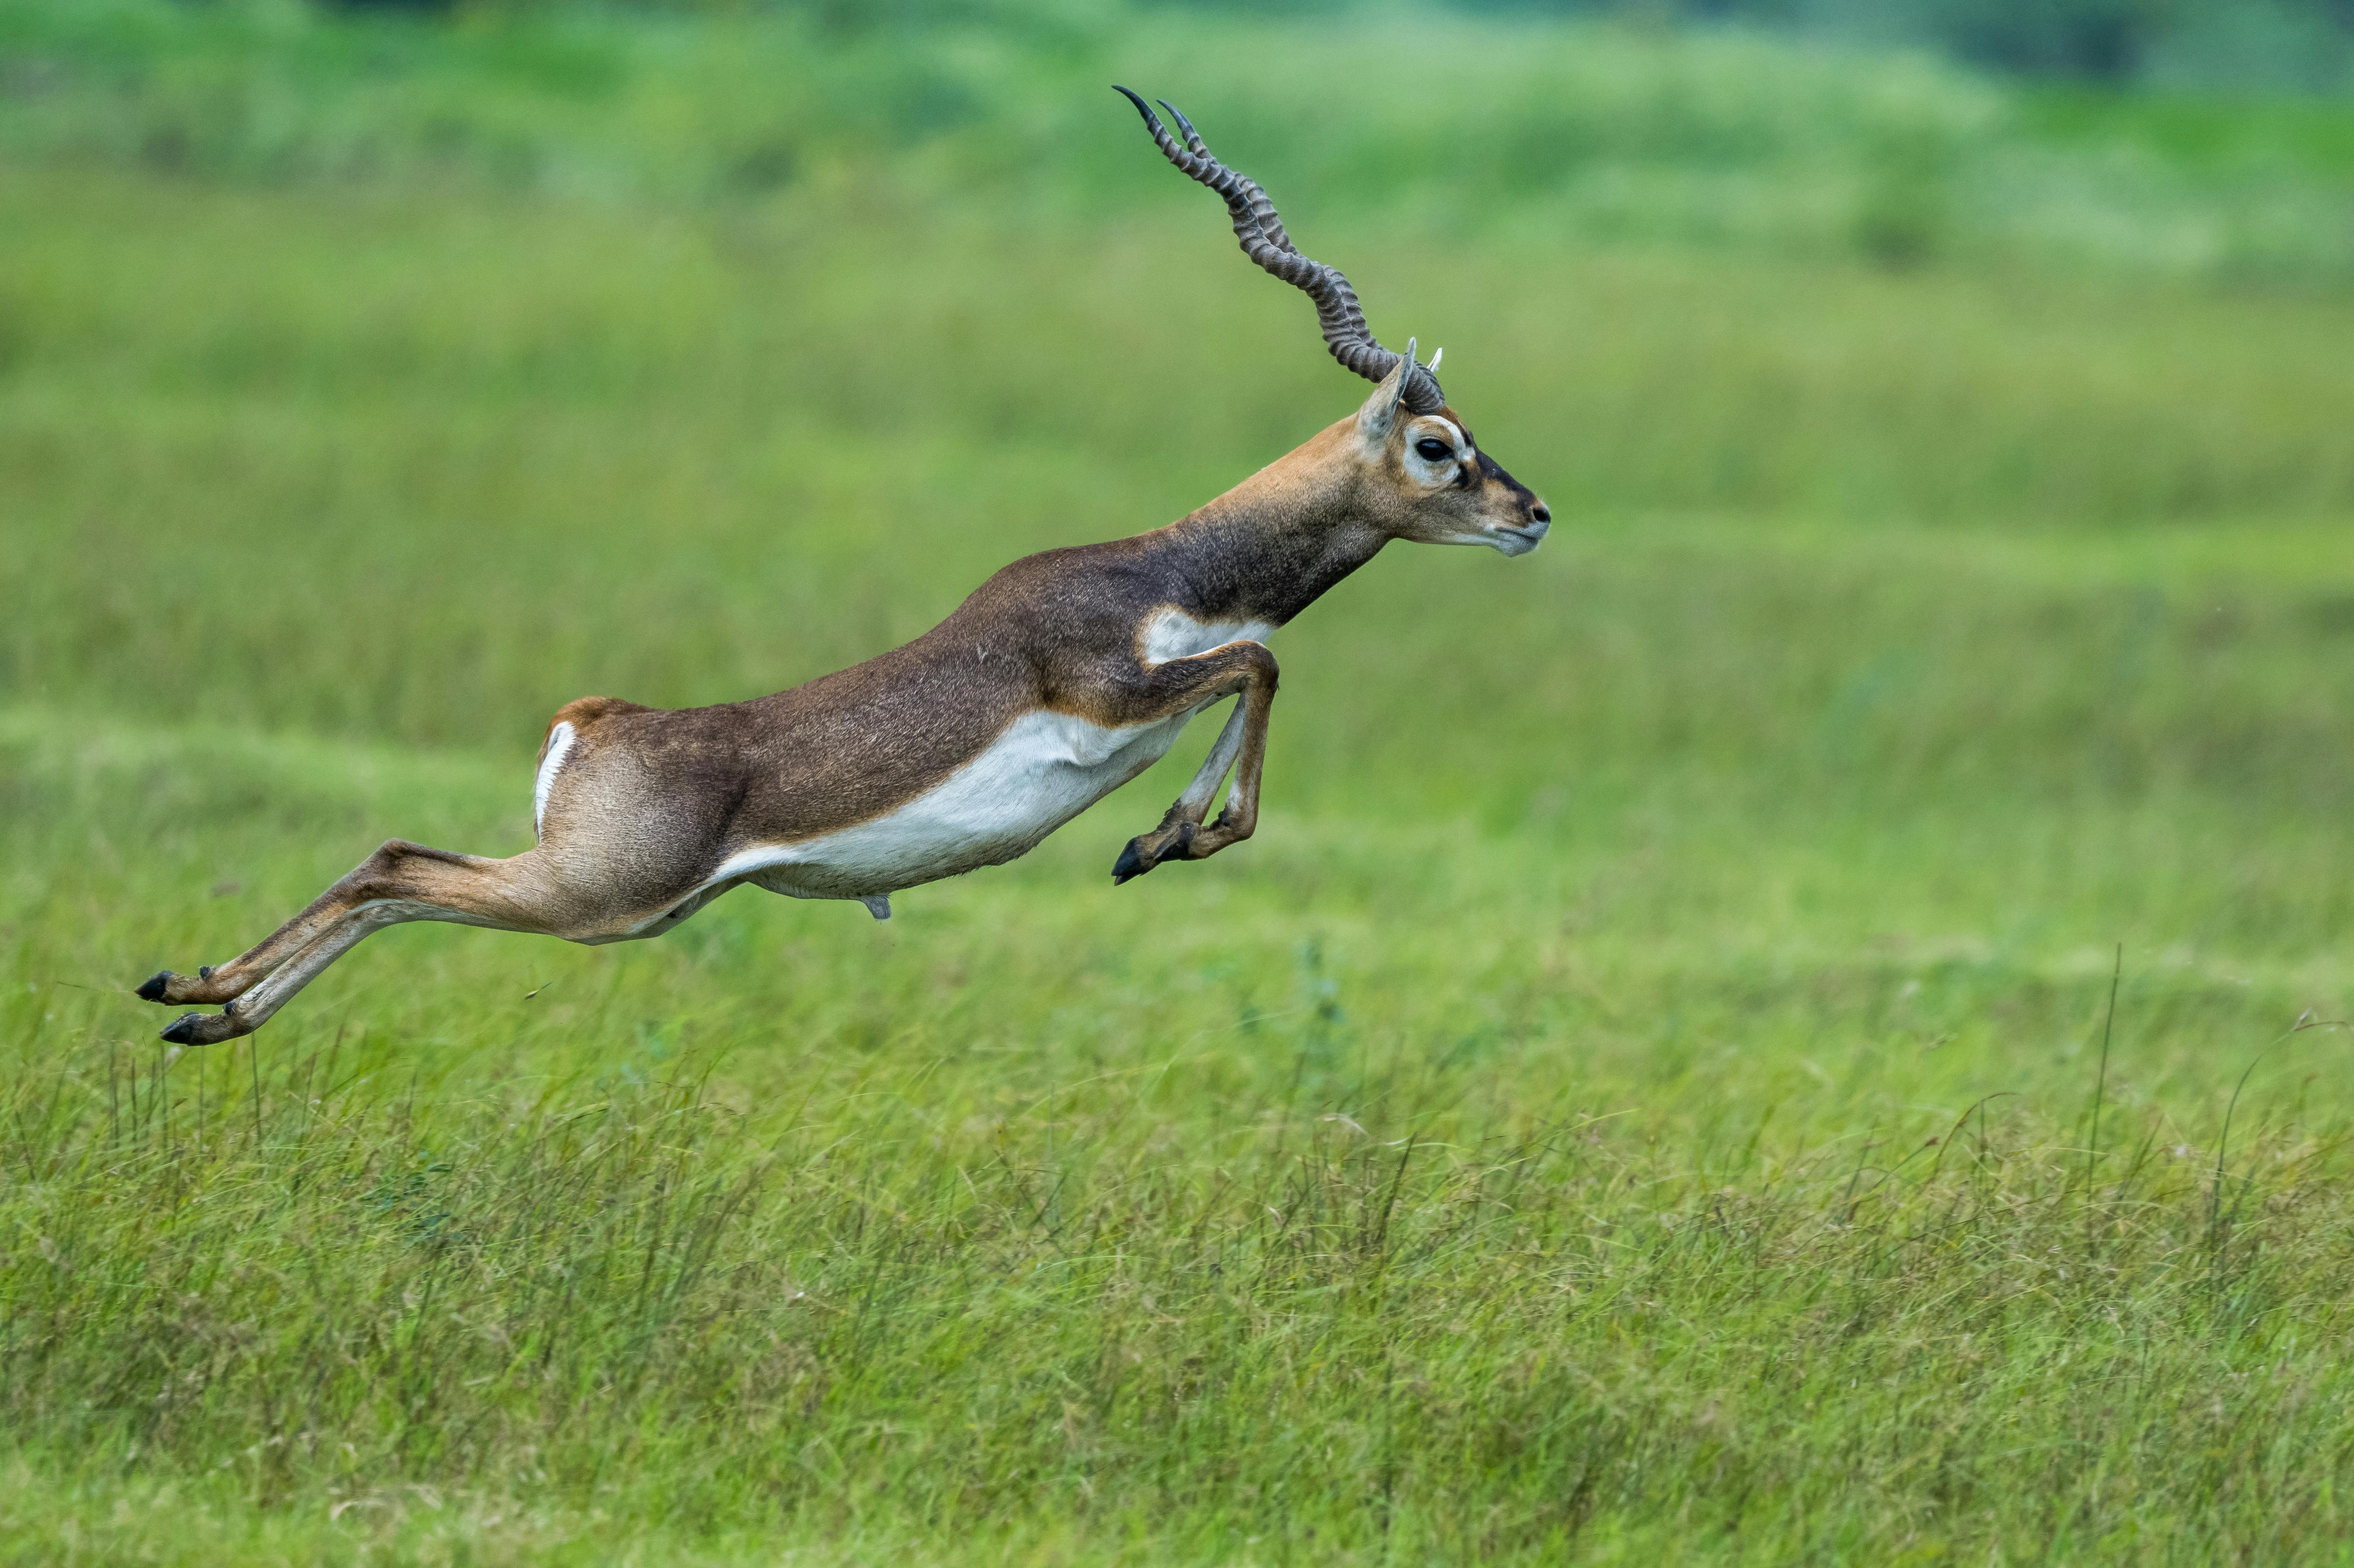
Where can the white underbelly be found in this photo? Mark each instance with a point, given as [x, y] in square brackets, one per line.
[1043, 771]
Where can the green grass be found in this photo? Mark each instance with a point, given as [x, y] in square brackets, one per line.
[1634, 1100]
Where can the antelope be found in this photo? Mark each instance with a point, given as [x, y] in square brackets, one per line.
[1060, 679]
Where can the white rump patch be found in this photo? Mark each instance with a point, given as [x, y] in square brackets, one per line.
[560, 747]
[1171, 633]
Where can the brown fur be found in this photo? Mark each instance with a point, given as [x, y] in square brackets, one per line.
[649, 803]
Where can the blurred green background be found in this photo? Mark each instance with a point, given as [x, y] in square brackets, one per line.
[1650, 1091]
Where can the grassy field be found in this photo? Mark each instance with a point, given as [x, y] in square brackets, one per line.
[1650, 1092]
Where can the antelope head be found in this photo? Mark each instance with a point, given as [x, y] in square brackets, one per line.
[1424, 479]
[1409, 460]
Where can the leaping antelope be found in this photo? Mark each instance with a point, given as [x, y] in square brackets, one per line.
[1062, 678]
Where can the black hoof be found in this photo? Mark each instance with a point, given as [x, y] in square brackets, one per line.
[1132, 863]
[152, 988]
[208, 1028]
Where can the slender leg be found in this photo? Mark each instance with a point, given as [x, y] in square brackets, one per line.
[378, 876]
[1240, 818]
[1248, 668]
[400, 882]
[1195, 801]
[1185, 814]
[252, 1010]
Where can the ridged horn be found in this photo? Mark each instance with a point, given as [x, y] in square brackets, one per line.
[1264, 242]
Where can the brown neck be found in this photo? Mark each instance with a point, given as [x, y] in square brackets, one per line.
[1270, 546]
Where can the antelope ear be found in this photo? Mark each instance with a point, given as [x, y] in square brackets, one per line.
[1378, 417]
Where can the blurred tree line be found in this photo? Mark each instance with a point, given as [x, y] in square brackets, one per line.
[2255, 44]
[2267, 43]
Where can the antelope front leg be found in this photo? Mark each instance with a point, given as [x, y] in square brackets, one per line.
[1181, 835]
[1239, 820]
[1183, 818]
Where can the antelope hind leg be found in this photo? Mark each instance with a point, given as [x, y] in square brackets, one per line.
[248, 1012]
[232, 980]
[400, 882]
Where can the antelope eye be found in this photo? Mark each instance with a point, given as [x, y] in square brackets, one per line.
[1433, 450]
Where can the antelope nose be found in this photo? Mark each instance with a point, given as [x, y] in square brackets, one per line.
[1540, 513]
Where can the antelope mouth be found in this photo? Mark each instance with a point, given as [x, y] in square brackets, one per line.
[1521, 540]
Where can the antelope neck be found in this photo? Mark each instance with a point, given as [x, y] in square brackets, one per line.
[1265, 551]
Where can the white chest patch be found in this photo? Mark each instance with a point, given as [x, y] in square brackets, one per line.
[1173, 634]
[1043, 771]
